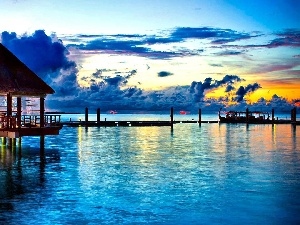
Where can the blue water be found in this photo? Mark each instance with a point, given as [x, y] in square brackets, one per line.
[212, 174]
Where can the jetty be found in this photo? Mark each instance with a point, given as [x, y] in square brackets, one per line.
[248, 117]
[18, 84]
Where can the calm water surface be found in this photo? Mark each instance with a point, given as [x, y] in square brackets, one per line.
[213, 174]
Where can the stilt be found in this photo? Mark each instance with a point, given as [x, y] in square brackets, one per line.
[42, 143]
[98, 115]
[20, 142]
[9, 142]
[172, 117]
[199, 114]
[273, 116]
[4, 141]
[86, 115]
[247, 115]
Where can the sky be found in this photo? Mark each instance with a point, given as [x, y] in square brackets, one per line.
[152, 55]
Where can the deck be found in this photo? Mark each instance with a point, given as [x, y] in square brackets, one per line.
[29, 125]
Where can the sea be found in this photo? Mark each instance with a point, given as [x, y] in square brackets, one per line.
[211, 173]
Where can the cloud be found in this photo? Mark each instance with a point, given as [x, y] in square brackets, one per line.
[216, 65]
[242, 91]
[289, 37]
[113, 92]
[197, 89]
[229, 53]
[217, 35]
[279, 66]
[43, 54]
[164, 74]
[47, 57]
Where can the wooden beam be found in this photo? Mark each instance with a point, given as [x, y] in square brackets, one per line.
[19, 111]
[42, 112]
[9, 104]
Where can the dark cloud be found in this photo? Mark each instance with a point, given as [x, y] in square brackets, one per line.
[289, 37]
[286, 38]
[228, 53]
[216, 65]
[217, 35]
[47, 57]
[39, 52]
[164, 74]
[229, 88]
[111, 92]
[242, 91]
[197, 89]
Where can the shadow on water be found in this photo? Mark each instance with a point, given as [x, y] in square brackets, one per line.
[22, 171]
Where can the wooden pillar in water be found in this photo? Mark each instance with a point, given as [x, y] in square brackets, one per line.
[42, 112]
[247, 115]
[9, 105]
[8, 109]
[293, 115]
[172, 117]
[4, 141]
[42, 143]
[273, 115]
[98, 115]
[199, 119]
[19, 111]
[86, 115]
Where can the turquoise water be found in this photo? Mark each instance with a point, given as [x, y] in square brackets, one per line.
[213, 174]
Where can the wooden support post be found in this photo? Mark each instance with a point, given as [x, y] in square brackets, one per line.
[98, 115]
[14, 142]
[42, 143]
[247, 115]
[9, 105]
[172, 117]
[293, 115]
[20, 142]
[4, 141]
[273, 115]
[86, 115]
[42, 112]
[200, 119]
[9, 142]
[19, 111]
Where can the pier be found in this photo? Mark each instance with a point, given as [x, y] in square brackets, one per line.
[171, 122]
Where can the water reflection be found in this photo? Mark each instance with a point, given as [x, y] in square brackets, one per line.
[215, 173]
[22, 171]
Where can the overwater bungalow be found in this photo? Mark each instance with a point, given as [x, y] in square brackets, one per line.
[18, 84]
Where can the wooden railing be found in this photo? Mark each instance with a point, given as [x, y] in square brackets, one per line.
[28, 121]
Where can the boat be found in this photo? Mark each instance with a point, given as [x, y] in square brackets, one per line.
[244, 117]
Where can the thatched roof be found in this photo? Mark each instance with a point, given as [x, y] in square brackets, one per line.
[16, 78]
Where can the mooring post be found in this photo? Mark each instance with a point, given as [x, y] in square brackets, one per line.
[199, 120]
[247, 115]
[98, 115]
[172, 116]
[293, 115]
[273, 115]
[86, 115]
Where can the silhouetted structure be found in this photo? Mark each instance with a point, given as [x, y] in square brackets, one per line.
[18, 81]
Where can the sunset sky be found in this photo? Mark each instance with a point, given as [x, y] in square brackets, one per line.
[150, 54]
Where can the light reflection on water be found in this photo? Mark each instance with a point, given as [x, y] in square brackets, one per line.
[213, 174]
